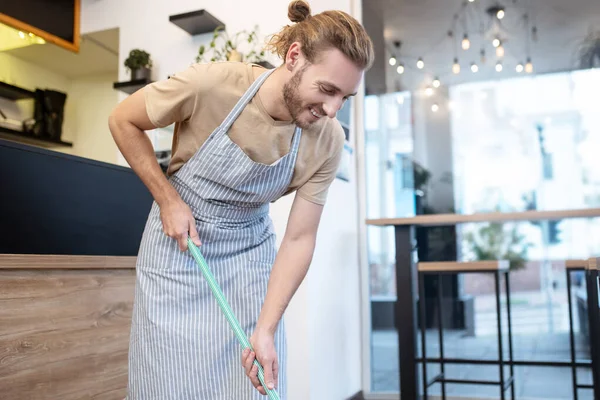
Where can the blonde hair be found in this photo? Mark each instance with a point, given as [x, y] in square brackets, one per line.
[322, 31]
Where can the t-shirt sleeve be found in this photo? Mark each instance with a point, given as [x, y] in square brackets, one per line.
[316, 188]
[174, 99]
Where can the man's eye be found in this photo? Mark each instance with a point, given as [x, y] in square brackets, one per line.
[327, 90]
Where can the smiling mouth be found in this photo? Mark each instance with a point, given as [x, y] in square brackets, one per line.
[314, 113]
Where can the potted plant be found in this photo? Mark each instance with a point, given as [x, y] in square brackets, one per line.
[589, 52]
[139, 63]
[241, 46]
[495, 242]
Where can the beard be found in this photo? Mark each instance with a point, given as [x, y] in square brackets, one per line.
[292, 100]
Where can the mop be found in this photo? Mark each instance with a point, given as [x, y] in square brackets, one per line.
[231, 318]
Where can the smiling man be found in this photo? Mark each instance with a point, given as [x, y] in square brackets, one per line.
[244, 137]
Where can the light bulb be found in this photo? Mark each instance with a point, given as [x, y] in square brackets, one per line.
[496, 42]
[529, 66]
[519, 68]
[420, 63]
[474, 67]
[436, 83]
[400, 69]
[498, 67]
[392, 60]
[456, 66]
[500, 51]
[466, 44]
[428, 91]
[500, 14]
[435, 107]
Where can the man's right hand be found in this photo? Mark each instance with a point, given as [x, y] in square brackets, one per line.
[178, 221]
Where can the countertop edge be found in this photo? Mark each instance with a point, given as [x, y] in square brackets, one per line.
[52, 261]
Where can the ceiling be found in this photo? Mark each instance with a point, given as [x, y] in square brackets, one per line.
[98, 54]
[422, 26]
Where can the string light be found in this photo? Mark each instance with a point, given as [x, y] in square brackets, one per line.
[466, 44]
[400, 69]
[392, 60]
[500, 51]
[529, 66]
[436, 83]
[428, 91]
[519, 68]
[500, 14]
[456, 66]
[435, 107]
[474, 67]
[420, 63]
[496, 42]
[498, 66]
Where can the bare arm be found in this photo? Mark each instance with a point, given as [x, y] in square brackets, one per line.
[292, 262]
[127, 124]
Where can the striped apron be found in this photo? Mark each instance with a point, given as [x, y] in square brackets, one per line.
[181, 345]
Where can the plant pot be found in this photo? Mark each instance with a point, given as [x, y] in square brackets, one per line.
[234, 55]
[140, 73]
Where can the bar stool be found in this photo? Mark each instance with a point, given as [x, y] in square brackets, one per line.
[439, 268]
[593, 300]
[570, 267]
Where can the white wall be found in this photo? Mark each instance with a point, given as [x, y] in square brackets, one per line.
[323, 319]
[89, 102]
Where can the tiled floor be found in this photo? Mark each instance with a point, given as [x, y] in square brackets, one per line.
[531, 382]
[540, 333]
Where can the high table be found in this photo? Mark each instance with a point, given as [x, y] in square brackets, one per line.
[406, 274]
[593, 289]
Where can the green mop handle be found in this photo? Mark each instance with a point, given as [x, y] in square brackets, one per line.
[233, 322]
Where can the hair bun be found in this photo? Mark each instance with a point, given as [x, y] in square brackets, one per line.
[298, 11]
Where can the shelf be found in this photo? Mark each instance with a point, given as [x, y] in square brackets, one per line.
[196, 22]
[23, 137]
[131, 87]
[265, 64]
[14, 92]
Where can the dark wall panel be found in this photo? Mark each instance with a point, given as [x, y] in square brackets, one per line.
[52, 203]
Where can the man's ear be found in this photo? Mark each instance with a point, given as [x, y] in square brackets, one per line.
[294, 56]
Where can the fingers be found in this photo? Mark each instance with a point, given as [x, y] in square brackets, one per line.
[181, 241]
[268, 367]
[275, 372]
[194, 233]
[251, 369]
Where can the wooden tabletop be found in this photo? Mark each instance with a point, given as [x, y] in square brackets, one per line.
[453, 219]
[49, 261]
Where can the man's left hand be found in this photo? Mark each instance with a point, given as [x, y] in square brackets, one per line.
[264, 351]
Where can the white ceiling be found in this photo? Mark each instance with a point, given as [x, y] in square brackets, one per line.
[98, 54]
[422, 26]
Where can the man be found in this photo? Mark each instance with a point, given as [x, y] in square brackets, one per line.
[244, 137]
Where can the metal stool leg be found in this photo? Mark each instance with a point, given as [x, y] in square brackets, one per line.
[423, 328]
[500, 350]
[510, 344]
[441, 335]
[572, 337]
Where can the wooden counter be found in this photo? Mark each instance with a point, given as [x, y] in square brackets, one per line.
[64, 326]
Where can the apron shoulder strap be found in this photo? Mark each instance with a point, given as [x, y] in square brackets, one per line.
[244, 100]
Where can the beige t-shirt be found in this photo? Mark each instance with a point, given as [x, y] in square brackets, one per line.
[199, 98]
